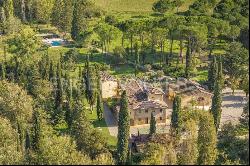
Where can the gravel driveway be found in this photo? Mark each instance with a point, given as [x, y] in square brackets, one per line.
[232, 106]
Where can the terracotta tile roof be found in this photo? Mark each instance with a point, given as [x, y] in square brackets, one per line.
[150, 104]
[107, 77]
[137, 93]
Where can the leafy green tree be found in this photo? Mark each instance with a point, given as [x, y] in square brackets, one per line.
[43, 10]
[25, 43]
[123, 130]
[152, 125]
[57, 14]
[83, 9]
[189, 153]
[202, 7]
[176, 115]
[153, 154]
[8, 8]
[15, 103]
[207, 140]
[244, 119]
[8, 144]
[232, 148]
[62, 15]
[245, 84]
[162, 6]
[178, 4]
[88, 140]
[235, 62]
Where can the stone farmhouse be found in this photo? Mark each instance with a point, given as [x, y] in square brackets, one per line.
[191, 93]
[144, 99]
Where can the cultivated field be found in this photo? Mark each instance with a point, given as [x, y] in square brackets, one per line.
[135, 6]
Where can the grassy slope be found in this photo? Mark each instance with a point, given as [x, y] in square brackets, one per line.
[136, 6]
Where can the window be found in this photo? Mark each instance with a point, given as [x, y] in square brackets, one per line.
[146, 111]
[160, 118]
[161, 110]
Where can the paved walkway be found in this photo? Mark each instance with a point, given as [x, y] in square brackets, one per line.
[110, 121]
[232, 106]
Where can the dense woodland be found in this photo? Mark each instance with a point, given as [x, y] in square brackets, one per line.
[46, 97]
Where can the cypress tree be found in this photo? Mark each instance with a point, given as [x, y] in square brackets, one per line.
[220, 73]
[188, 62]
[27, 141]
[3, 70]
[212, 74]
[90, 90]
[59, 90]
[152, 125]
[68, 113]
[68, 15]
[58, 114]
[16, 70]
[51, 71]
[79, 21]
[20, 136]
[207, 140]
[175, 119]
[99, 107]
[57, 14]
[123, 130]
[217, 101]
[36, 132]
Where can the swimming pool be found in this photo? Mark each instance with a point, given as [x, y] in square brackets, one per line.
[56, 43]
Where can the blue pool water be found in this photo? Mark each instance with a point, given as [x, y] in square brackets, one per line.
[56, 43]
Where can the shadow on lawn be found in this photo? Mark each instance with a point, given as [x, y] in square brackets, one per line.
[98, 123]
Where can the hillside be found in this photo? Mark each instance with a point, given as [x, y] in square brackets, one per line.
[140, 6]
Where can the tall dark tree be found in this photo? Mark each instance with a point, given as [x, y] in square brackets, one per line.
[217, 101]
[59, 90]
[212, 74]
[99, 107]
[69, 104]
[175, 119]
[51, 71]
[58, 114]
[20, 136]
[3, 71]
[81, 11]
[27, 141]
[188, 62]
[152, 129]
[123, 130]
[36, 132]
[90, 84]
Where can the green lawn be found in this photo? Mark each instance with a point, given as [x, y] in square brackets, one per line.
[102, 127]
[134, 6]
